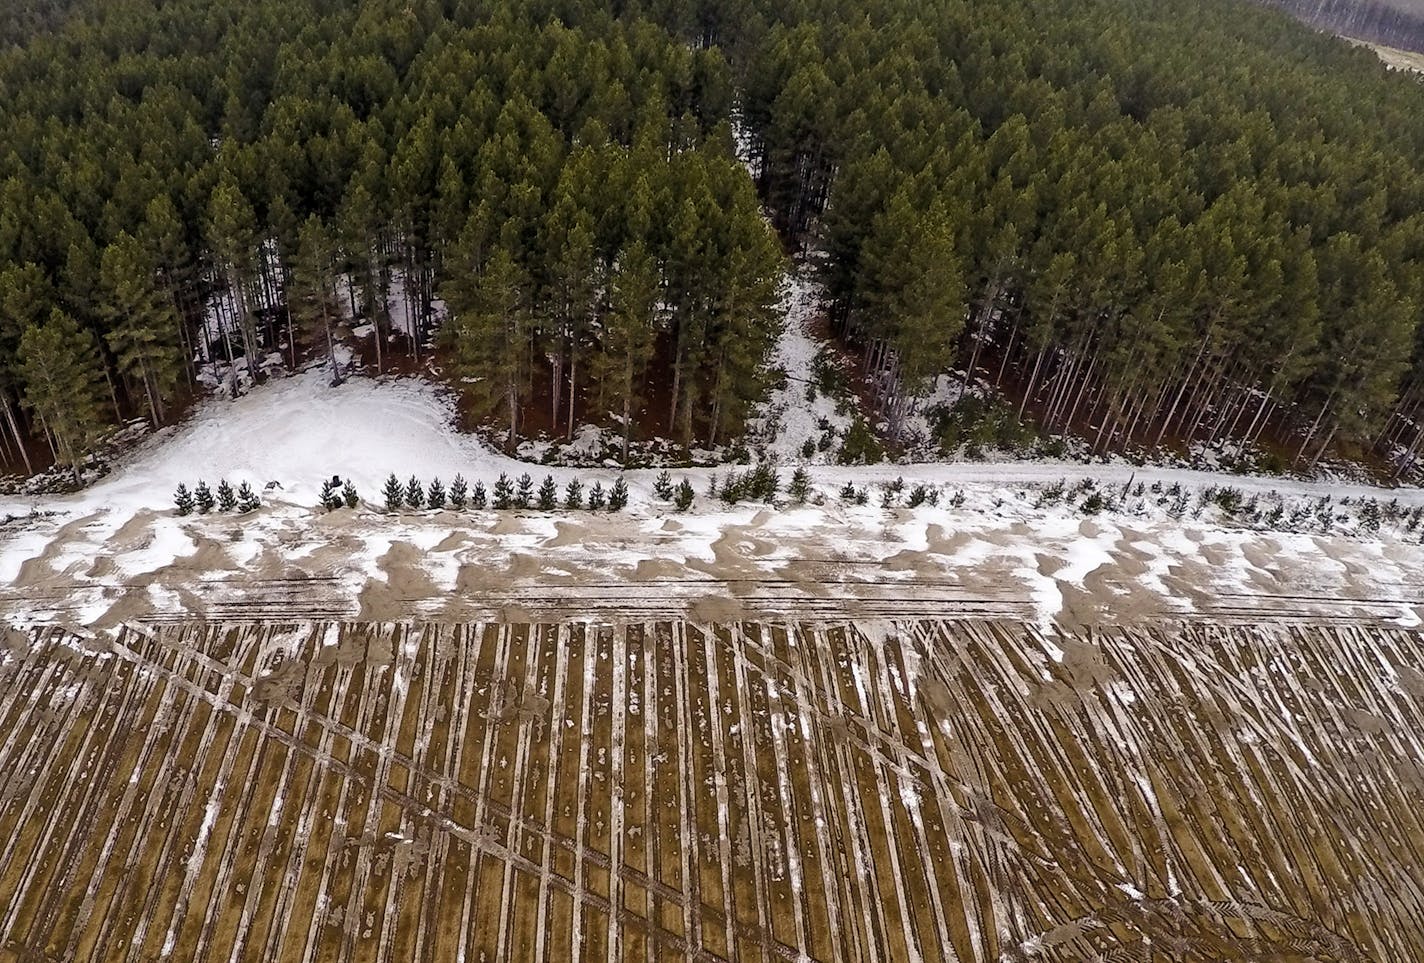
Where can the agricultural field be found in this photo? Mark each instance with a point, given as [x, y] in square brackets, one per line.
[680, 789]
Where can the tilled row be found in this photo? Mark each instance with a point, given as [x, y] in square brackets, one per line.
[658, 789]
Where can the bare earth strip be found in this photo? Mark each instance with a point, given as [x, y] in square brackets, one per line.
[756, 790]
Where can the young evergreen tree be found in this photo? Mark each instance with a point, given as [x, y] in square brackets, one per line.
[394, 492]
[459, 493]
[331, 494]
[618, 495]
[348, 494]
[800, 487]
[203, 498]
[503, 492]
[227, 499]
[414, 493]
[548, 494]
[183, 500]
[662, 485]
[596, 497]
[435, 495]
[60, 370]
[573, 494]
[684, 496]
[247, 500]
[524, 491]
[478, 499]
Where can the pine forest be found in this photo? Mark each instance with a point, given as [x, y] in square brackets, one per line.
[1147, 225]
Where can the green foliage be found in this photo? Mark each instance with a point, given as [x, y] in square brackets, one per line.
[414, 493]
[435, 494]
[247, 499]
[63, 385]
[478, 499]
[349, 497]
[548, 494]
[860, 446]
[503, 493]
[662, 485]
[684, 496]
[203, 498]
[227, 499]
[524, 491]
[459, 493]
[596, 497]
[331, 494]
[394, 492]
[183, 500]
[974, 423]
[573, 494]
[618, 495]
[800, 488]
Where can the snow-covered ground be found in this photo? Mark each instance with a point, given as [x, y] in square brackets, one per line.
[1001, 539]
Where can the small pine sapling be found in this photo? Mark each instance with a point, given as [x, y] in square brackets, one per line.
[203, 498]
[459, 493]
[573, 495]
[548, 494]
[479, 501]
[596, 498]
[503, 493]
[348, 494]
[414, 493]
[618, 495]
[848, 493]
[183, 500]
[524, 491]
[435, 495]
[227, 501]
[247, 500]
[684, 495]
[662, 485]
[800, 487]
[395, 494]
[330, 495]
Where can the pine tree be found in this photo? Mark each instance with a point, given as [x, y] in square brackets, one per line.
[395, 494]
[573, 495]
[596, 498]
[232, 238]
[618, 495]
[414, 493]
[800, 487]
[247, 500]
[459, 493]
[848, 493]
[348, 494]
[203, 498]
[627, 335]
[684, 496]
[227, 500]
[144, 325]
[548, 494]
[503, 492]
[524, 491]
[478, 499]
[662, 485]
[183, 500]
[313, 300]
[63, 385]
[488, 329]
